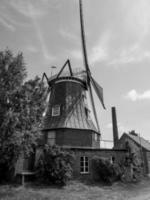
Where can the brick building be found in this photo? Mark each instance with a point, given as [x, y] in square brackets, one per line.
[82, 167]
[138, 146]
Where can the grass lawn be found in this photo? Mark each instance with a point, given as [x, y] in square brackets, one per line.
[77, 191]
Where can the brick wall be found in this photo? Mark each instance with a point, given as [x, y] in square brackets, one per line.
[90, 153]
[140, 152]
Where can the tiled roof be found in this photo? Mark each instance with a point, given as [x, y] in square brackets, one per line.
[140, 141]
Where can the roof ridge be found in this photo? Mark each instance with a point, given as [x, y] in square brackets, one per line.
[140, 140]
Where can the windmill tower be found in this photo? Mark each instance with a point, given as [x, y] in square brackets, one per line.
[67, 121]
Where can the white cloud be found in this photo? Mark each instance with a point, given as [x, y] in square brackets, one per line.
[134, 96]
[132, 54]
[68, 35]
[100, 51]
[7, 25]
[98, 54]
[46, 54]
[23, 7]
[9, 20]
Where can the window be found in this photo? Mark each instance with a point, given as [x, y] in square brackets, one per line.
[51, 137]
[84, 165]
[55, 110]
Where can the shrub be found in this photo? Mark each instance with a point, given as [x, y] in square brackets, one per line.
[131, 167]
[54, 165]
[127, 170]
[105, 170]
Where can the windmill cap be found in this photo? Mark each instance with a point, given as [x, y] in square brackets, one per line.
[54, 80]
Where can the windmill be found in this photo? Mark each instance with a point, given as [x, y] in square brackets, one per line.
[67, 121]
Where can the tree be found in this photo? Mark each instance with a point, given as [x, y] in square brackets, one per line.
[12, 75]
[32, 99]
[21, 107]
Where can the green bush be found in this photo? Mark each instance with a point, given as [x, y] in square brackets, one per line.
[105, 171]
[54, 165]
[128, 169]
[131, 167]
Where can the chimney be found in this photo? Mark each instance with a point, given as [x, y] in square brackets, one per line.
[115, 127]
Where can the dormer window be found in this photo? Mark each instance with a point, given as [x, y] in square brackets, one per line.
[56, 110]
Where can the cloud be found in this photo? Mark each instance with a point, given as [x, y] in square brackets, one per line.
[132, 54]
[47, 56]
[8, 19]
[134, 96]
[22, 7]
[99, 52]
[68, 35]
[7, 25]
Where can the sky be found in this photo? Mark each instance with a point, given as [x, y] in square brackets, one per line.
[118, 46]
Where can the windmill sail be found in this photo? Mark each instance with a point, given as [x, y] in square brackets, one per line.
[99, 91]
[84, 43]
[94, 109]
